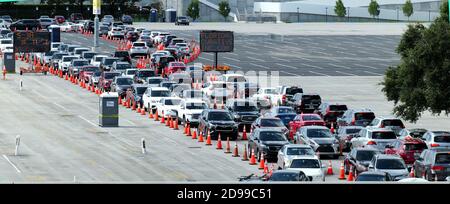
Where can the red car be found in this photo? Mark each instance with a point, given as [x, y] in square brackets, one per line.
[86, 72]
[409, 149]
[304, 120]
[60, 19]
[174, 67]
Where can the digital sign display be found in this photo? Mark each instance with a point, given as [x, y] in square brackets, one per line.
[30, 41]
[216, 41]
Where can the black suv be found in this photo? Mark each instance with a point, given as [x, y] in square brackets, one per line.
[141, 75]
[305, 103]
[24, 24]
[218, 121]
[123, 56]
[266, 141]
[244, 111]
[330, 112]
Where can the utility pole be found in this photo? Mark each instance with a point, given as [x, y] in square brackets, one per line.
[298, 14]
[96, 10]
[326, 14]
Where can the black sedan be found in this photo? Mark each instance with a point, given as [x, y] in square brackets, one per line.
[266, 142]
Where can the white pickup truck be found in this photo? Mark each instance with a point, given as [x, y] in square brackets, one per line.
[190, 110]
[167, 106]
[153, 95]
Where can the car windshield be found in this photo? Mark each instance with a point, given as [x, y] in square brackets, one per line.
[390, 164]
[371, 178]
[131, 72]
[245, 107]
[172, 102]
[442, 139]
[299, 151]
[286, 110]
[196, 106]
[160, 93]
[270, 91]
[305, 163]
[442, 158]
[69, 58]
[123, 66]
[80, 63]
[311, 117]
[338, 107]
[141, 90]
[364, 155]
[293, 90]
[364, 116]
[392, 123]
[415, 147]
[139, 44]
[121, 54]
[319, 133]
[111, 75]
[271, 136]
[155, 81]
[144, 74]
[109, 61]
[271, 123]
[352, 130]
[99, 59]
[285, 176]
[6, 42]
[221, 116]
[384, 135]
[88, 55]
[124, 81]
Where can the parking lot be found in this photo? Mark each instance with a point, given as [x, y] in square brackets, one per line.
[61, 140]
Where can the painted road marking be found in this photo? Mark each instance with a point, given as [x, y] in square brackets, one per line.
[366, 66]
[232, 59]
[317, 73]
[255, 59]
[12, 164]
[257, 65]
[376, 74]
[283, 65]
[93, 124]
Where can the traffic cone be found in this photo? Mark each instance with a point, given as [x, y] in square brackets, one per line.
[411, 173]
[156, 115]
[244, 134]
[176, 124]
[150, 115]
[266, 169]
[244, 156]
[128, 103]
[194, 135]
[185, 129]
[219, 142]
[142, 110]
[235, 151]
[261, 161]
[208, 139]
[188, 130]
[134, 106]
[342, 172]
[163, 119]
[252, 158]
[171, 124]
[332, 128]
[228, 148]
[350, 174]
[200, 137]
[330, 169]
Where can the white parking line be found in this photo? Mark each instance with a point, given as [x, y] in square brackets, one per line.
[335, 65]
[250, 47]
[277, 58]
[257, 65]
[12, 164]
[346, 73]
[289, 73]
[366, 66]
[232, 54]
[206, 59]
[232, 59]
[283, 65]
[255, 59]
[93, 124]
[376, 74]
[62, 107]
[318, 73]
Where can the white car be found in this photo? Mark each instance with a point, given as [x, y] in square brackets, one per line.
[167, 106]
[116, 32]
[66, 27]
[130, 72]
[153, 96]
[77, 51]
[5, 43]
[65, 62]
[210, 87]
[160, 37]
[97, 60]
[139, 48]
[55, 46]
[310, 165]
[268, 94]
[190, 110]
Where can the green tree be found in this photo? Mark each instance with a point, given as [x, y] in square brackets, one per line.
[408, 9]
[339, 9]
[224, 9]
[374, 8]
[193, 9]
[421, 82]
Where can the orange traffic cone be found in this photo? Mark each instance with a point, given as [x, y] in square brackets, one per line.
[330, 169]
[194, 135]
[189, 130]
[120, 100]
[235, 150]
[411, 173]
[138, 110]
[208, 139]
[252, 158]
[134, 106]
[245, 156]
[176, 125]
[219, 142]
[143, 111]
[332, 128]
[342, 171]
[261, 162]
[171, 124]
[168, 121]
[163, 118]
[266, 169]
[228, 148]
[200, 137]
[350, 174]
[185, 129]
[244, 134]
[156, 115]
[150, 115]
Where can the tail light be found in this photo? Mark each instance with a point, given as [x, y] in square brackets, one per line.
[283, 98]
[434, 145]
[353, 121]
[382, 125]
[371, 143]
[437, 168]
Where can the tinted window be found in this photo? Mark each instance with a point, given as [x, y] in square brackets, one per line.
[121, 54]
[139, 44]
[285, 176]
[311, 117]
[371, 178]
[80, 63]
[109, 61]
[286, 110]
[219, 116]
[307, 98]
[68, 59]
[293, 90]
[88, 55]
[304, 163]
[245, 107]
[123, 66]
[442, 139]
[392, 123]
[364, 155]
[141, 90]
[271, 123]
[6, 42]
[299, 151]
[144, 74]
[131, 72]
[414, 147]
[111, 75]
[172, 102]
[162, 93]
[318, 133]
[270, 91]
[383, 135]
[352, 130]
[124, 81]
[99, 59]
[47, 54]
[390, 164]
[196, 106]
[271, 136]
[338, 107]
[155, 81]
[364, 116]
[443, 158]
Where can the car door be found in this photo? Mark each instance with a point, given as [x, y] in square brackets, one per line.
[203, 122]
[419, 166]
[146, 99]
[280, 156]
[358, 140]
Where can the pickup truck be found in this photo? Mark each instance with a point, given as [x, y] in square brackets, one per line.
[152, 97]
[190, 110]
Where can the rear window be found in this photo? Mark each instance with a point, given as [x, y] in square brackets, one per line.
[271, 136]
[392, 123]
[155, 81]
[442, 158]
[322, 133]
[390, 164]
[80, 63]
[364, 116]
[121, 54]
[6, 42]
[311, 117]
[123, 66]
[293, 91]
[310, 97]
[442, 139]
[352, 130]
[338, 107]
[99, 59]
[271, 123]
[111, 75]
[144, 74]
[299, 151]
[68, 59]
[365, 155]
[139, 44]
[304, 163]
[414, 147]
[88, 55]
[383, 135]
[109, 61]
[131, 72]
[161, 93]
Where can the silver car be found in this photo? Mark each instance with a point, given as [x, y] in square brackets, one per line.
[139, 48]
[388, 122]
[391, 164]
[437, 139]
[288, 152]
[375, 137]
[319, 138]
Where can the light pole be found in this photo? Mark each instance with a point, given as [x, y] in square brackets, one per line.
[298, 14]
[118, 9]
[67, 9]
[348, 14]
[326, 14]
[37, 11]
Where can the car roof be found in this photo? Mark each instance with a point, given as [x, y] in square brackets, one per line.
[139, 85]
[217, 110]
[388, 156]
[352, 127]
[376, 129]
[120, 62]
[315, 127]
[159, 89]
[379, 173]
[312, 157]
[361, 110]
[387, 118]
[298, 145]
